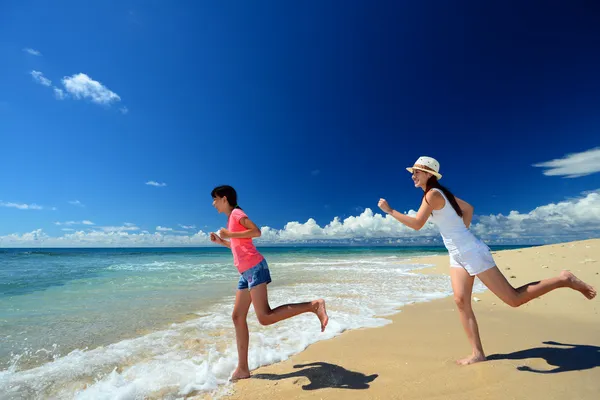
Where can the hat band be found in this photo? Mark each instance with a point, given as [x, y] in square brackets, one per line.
[425, 167]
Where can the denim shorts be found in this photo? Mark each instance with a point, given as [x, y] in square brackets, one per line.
[255, 276]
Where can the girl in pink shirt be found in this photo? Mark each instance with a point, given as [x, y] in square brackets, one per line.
[252, 286]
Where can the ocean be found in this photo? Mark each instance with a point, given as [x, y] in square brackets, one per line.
[156, 323]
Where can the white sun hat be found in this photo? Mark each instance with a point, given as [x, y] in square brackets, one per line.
[427, 164]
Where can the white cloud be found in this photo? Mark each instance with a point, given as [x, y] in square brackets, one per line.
[366, 226]
[171, 230]
[38, 238]
[21, 206]
[127, 227]
[187, 226]
[76, 203]
[59, 93]
[81, 86]
[40, 78]
[33, 52]
[34, 238]
[573, 165]
[70, 223]
[157, 184]
[124, 110]
[572, 219]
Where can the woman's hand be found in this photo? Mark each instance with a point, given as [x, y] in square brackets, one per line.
[385, 207]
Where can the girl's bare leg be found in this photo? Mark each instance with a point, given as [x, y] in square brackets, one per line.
[242, 336]
[268, 316]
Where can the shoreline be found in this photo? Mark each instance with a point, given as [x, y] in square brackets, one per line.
[201, 353]
[413, 357]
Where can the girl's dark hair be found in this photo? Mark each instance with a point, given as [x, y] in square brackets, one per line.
[227, 192]
[434, 183]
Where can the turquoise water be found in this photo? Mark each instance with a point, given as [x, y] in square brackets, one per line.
[101, 323]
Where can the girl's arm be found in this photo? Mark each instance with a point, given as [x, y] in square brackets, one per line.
[251, 232]
[467, 211]
[434, 200]
[216, 239]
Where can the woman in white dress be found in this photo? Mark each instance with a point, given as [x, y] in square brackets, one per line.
[469, 256]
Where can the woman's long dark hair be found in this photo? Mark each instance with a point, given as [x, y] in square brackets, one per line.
[228, 192]
[433, 183]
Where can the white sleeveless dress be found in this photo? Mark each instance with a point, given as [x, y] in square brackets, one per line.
[465, 249]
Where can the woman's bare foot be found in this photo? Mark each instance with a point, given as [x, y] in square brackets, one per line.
[240, 374]
[577, 284]
[319, 309]
[472, 359]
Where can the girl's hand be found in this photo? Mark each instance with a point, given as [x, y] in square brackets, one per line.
[224, 233]
[385, 207]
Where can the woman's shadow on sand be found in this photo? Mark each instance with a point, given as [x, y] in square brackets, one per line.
[324, 375]
[567, 357]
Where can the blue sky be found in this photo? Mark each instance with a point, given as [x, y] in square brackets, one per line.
[311, 110]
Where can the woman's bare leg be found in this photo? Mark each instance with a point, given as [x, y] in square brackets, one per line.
[462, 286]
[497, 283]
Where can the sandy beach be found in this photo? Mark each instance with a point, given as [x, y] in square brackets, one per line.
[546, 349]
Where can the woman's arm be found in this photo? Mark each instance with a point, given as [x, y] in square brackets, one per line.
[467, 211]
[433, 200]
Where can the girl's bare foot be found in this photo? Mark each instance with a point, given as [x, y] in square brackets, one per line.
[577, 284]
[240, 374]
[472, 359]
[319, 309]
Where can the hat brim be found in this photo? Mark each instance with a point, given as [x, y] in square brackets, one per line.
[437, 175]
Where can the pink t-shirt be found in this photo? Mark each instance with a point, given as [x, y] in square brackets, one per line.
[245, 255]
